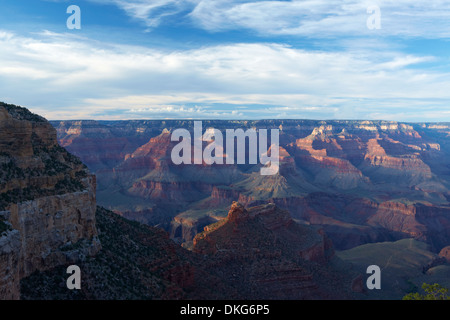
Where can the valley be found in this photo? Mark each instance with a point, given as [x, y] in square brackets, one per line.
[362, 181]
[106, 196]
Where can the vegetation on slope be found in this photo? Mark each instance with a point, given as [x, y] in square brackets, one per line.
[136, 262]
[118, 271]
[432, 292]
[22, 113]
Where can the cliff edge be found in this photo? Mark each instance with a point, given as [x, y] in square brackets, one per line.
[265, 254]
[47, 201]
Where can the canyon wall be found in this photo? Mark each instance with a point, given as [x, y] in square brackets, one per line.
[47, 201]
[268, 255]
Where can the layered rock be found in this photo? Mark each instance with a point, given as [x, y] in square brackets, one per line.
[186, 228]
[48, 197]
[56, 229]
[137, 262]
[351, 221]
[99, 145]
[445, 253]
[380, 169]
[303, 241]
[263, 252]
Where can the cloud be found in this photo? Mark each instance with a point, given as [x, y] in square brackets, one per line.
[325, 18]
[64, 77]
[150, 12]
[308, 18]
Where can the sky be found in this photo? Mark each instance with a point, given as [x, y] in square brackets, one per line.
[233, 59]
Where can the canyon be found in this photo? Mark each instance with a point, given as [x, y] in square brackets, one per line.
[107, 196]
[49, 219]
[361, 181]
[259, 253]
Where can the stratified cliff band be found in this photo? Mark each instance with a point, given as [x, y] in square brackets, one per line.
[47, 201]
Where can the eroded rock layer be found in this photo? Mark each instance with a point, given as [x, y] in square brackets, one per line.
[47, 200]
[362, 181]
[267, 255]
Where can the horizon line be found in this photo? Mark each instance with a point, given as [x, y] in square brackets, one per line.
[263, 119]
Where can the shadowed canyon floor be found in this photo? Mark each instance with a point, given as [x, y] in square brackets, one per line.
[259, 261]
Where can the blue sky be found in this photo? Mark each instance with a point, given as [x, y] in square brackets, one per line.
[234, 59]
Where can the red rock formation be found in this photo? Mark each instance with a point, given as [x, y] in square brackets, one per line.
[271, 249]
[365, 166]
[351, 221]
[48, 196]
[224, 193]
[445, 253]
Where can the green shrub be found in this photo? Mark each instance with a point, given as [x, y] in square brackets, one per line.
[432, 292]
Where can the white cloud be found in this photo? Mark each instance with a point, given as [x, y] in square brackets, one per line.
[311, 18]
[62, 76]
[325, 18]
[150, 12]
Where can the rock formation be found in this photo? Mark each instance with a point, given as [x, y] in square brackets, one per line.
[361, 181]
[445, 253]
[47, 196]
[267, 255]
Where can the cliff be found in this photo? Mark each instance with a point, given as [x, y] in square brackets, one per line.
[47, 196]
[267, 255]
[137, 262]
[244, 229]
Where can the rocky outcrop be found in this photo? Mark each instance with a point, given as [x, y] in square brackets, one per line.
[47, 196]
[445, 253]
[185, 228]
[351, 221]
[221, 193]
[303, 241]
[56, 229]
[137, 262]
[100, 146]
[266, 254]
